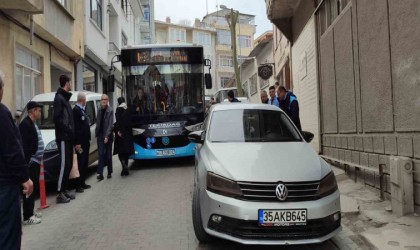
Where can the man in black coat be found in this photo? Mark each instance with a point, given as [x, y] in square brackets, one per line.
[13, 175]
[33, 147]
[289, 104]
[64, 134]
[81, 140]
[231, 96]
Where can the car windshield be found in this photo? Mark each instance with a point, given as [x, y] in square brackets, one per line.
[47, 119]
[251, 125]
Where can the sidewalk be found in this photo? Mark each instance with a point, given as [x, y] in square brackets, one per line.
[368, 222]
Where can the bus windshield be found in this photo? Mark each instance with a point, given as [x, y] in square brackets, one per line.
[164, 83]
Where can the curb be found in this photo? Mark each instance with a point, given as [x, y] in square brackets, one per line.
[342, 240]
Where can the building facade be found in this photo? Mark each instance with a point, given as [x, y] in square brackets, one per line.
[199, 33]
[367, 54]
[33, 63]
[252, 83]
[110, 25]
[245, 30]
[282, 55]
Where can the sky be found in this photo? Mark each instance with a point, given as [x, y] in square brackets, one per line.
[191, 9]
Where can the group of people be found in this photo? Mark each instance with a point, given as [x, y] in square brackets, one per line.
[22, 149]
[285, 100]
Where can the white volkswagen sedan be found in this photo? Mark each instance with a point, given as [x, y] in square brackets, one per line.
[258, 181]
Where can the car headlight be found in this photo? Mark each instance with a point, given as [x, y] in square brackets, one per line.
[51, 146]
[195, 127]
[222, 186]
[328, 185]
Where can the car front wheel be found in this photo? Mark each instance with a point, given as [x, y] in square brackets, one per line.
[199, 231]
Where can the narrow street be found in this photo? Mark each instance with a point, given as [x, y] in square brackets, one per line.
[150, 209]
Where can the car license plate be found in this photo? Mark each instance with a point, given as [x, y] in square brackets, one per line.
[282, 218]
[165, 152]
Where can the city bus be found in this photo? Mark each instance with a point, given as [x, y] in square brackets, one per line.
[164, 90]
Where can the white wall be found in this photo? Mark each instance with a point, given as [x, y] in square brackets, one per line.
[305, 81]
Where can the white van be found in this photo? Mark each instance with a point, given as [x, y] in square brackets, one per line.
[47, 128]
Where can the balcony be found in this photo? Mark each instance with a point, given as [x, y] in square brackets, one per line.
[29, 6]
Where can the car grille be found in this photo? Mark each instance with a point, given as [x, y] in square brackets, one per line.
[260, 191]
[251, 230]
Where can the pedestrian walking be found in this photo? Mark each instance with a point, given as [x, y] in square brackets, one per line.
[33, 148]
[273, 98]
[104, 136]
[64, 134]
[290, 105]
[81, 140]
[13, 175]
[264, 97]
[231, 96]
[124, 144]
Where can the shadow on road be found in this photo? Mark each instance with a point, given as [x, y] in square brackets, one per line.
[227, 245]
[161, 163]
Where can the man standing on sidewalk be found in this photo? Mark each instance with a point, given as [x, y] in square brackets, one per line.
[64, 134]
[81, 140]
[33, 147]
[290, 105]
[104, 135]
[13, 174]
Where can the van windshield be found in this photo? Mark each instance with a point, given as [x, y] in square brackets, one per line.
[47, 117]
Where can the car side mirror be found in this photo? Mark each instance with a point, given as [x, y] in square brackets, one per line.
[308, 136]
[208, 81]
[196, 137]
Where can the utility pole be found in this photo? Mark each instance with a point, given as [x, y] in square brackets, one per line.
[232, 19]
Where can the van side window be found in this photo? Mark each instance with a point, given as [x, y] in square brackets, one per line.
[90, 112]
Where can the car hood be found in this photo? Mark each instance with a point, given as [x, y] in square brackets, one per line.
[266, 161]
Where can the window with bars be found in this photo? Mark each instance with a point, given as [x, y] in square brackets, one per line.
[65, 4]
[329, 11]
[253, 84]
[223, 81]
[28, 74]
[226, 61]
[96, 12]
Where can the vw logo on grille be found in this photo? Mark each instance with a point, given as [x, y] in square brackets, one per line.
[281, 192]
[165, 141]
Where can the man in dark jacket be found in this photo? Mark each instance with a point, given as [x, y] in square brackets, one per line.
[81, 140]
[289, 104]
[231, 96]
[13, 175]
[103, 133]
[64, 134]
[33, 147]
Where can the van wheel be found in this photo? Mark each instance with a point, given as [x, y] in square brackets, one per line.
[199, 231]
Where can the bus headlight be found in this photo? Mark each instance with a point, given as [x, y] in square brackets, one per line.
[51, 146]
[138, 131]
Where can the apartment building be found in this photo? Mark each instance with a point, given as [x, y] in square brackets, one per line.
[198, 33]
[39, 41]
[110, 25]
[245, 30]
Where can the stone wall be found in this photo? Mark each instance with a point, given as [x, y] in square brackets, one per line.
[370, 85]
